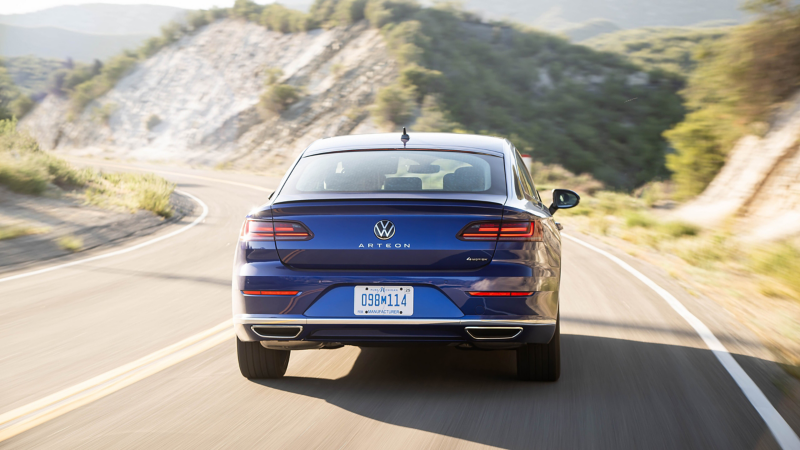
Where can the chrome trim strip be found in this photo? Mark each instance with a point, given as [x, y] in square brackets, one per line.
[299, 327]
[260, 319]
[468, 330]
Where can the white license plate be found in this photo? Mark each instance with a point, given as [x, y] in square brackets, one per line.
[383, 300]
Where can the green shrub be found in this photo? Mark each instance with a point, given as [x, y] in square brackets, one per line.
[279, 97]
[394, 105]
[103, 113]
[676, 229]
[15, 231]
[23, 175]
[70, 243]
[639, 219]
[780, 261]
[21, 106]
[152, 122]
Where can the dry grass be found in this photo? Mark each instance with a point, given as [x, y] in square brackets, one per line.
[15, 231]
[26, 169]
[70, 243]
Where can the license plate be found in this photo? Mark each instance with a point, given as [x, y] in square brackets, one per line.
[383, 301]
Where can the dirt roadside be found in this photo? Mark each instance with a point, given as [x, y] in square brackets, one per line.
[59, 227]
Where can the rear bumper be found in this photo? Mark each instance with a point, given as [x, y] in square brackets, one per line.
[376, 331]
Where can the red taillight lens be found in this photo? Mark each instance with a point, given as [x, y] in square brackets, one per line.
[264, 230]
[500, 293]
[480, 231]
[270, 292]
[521, 231]
[505, 231]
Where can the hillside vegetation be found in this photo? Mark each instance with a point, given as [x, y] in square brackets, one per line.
[737, 86]
[26, 169]
[32, 75]
[667, 48]
[592, 112]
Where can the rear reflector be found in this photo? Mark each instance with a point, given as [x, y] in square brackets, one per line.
[271, 292]
[265, 230]
[502, 231]
[500, 293]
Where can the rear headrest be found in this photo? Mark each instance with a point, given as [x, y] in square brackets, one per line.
[359, 181]
[464, 179]
[403, 184]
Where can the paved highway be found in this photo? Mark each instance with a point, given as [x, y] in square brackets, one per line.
[635, 373]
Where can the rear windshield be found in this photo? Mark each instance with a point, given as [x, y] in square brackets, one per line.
[397, 171]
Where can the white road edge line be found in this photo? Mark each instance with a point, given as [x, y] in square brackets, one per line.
[783, 433]
[118, 252]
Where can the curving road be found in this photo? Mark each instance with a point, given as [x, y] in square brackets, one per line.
[635, 374]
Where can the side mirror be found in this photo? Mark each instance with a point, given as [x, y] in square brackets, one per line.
[564, 199]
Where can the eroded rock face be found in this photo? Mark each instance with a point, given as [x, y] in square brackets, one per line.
[760, 183]
[201, 97]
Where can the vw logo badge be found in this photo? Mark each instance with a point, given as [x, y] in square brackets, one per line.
[384, 230]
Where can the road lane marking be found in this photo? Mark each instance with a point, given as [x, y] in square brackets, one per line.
[118, 252]
[783, 433]
[197, 177]
[26, 417]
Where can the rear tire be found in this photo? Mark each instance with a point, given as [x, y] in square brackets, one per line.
[257, 362]
[541, 362]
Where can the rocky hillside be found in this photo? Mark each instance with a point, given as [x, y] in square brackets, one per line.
[759, 183]
[231, 92]
[201, 96]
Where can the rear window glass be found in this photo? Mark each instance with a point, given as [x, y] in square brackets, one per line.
[397, 171]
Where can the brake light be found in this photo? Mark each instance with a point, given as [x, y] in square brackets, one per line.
[265, 230]
[502, 231]
[270, 292]
[500, 293]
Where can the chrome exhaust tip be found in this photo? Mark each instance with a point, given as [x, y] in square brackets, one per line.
[277, 331]
[486, 333]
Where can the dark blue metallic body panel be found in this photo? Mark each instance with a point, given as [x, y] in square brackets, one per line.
[429, 257]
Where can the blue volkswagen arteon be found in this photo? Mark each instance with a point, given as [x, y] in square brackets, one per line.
[386, 239]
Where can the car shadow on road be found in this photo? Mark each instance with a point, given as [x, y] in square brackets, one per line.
[613, 393]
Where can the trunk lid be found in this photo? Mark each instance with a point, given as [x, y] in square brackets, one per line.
[421, 235]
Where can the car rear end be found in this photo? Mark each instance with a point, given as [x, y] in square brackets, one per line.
[375, 247]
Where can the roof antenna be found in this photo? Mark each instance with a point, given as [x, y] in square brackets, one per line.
[404, 138]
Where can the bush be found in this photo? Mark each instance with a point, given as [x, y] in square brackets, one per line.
[677, 229]
[21, 106]
[639, 219]
[279, 97]
[152, 122]
[70, 243]
[103, 113]
[781, 261]
[394, 105]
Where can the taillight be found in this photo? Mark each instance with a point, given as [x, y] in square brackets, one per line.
[500, 293]
[265, 230]
[502, 231]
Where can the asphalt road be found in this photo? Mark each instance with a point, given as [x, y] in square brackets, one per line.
[634, 374]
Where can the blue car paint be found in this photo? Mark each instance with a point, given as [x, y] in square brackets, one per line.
[326, 268]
